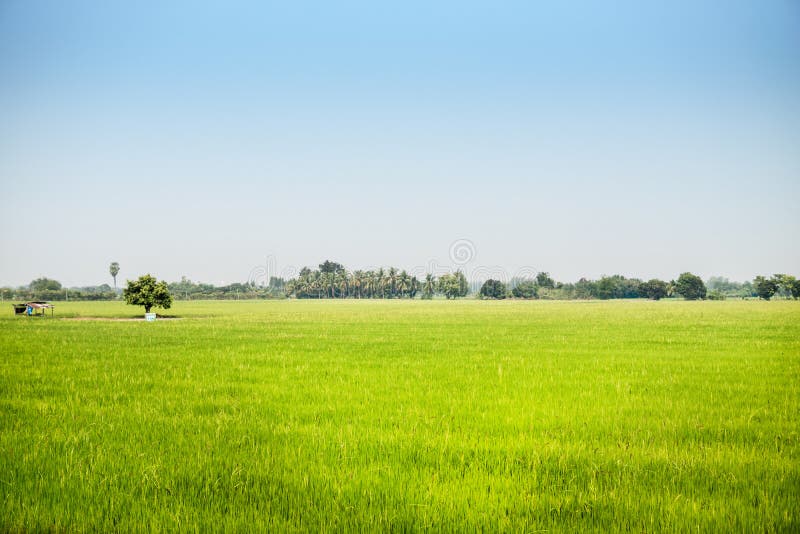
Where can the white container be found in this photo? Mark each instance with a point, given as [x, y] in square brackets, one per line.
[149, 317]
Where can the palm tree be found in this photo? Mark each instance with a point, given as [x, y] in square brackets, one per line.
[403, 284]
[372, 283]
[358, 280]
[380, 278]
[113, 269]
[344, 284]
[414, 287]
[392, 280]
[428, 286]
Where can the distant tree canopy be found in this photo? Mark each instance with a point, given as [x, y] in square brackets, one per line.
[654, 289]
[188, 290]
[453, 285]
[794, 289]
[544, 280]
[493, 289]
[690, 287]
[45, 284]
[765, 287]
[428, 286]
[526, 289]
[147, 292]
[788, 285]
[332, 280]
[330, 267]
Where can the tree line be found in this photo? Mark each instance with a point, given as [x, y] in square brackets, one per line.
[687, 286]
[332, 280]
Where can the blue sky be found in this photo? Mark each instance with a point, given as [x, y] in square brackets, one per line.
[580, 138]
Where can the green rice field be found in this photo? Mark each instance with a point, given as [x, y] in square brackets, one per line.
[403, 416]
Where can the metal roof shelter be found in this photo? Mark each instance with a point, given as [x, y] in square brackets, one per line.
[34, 308]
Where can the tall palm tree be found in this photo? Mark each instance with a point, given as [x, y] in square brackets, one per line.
[113, 269]
[358, 280]
[403, 283]
[344, 284]
[428, 286]
[372, 281]
[380, 278]
[392, 281]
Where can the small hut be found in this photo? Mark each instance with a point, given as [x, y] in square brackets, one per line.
[34, 308]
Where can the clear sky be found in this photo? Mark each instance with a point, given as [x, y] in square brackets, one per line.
[580, 138]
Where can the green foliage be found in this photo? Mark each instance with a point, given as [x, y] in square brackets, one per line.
[690, 287]
[786, 285]
[113, 269]
[332, 280]
[616, 287]
[45, 284]
[543, 280]
[493, 289]
[330, 267]
[428, 287]
[654, 289]
[186, 289]
[765, 287]
[794, 289]
[380, 416]
[716, 295]
[525, 289]
[453, 285]
[147, 292]
[730, 289]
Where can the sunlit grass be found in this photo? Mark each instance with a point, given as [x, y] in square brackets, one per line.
[361, 415]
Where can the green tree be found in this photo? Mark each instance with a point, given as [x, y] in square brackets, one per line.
[544, 280]
[527, 289]
[453, 285]
[331, 267]
[428, 287]
[493, 289]
[785, 284]
[45, 284]
[654, 289]
[765, 287]
[690, 287]
[147, 292]
[794, 289]
[114, 270]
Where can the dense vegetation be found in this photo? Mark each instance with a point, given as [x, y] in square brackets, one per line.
[333, 280]
[380, 416]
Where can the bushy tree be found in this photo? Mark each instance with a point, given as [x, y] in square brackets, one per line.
[765, 287]
[147, 292]
[453, 285]
[654, 289]
[493, 289]
[786, 284]
[525, 290]
[45, 284]
[331, 267]
[794, 289]
[543, 280]
[690, 287]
